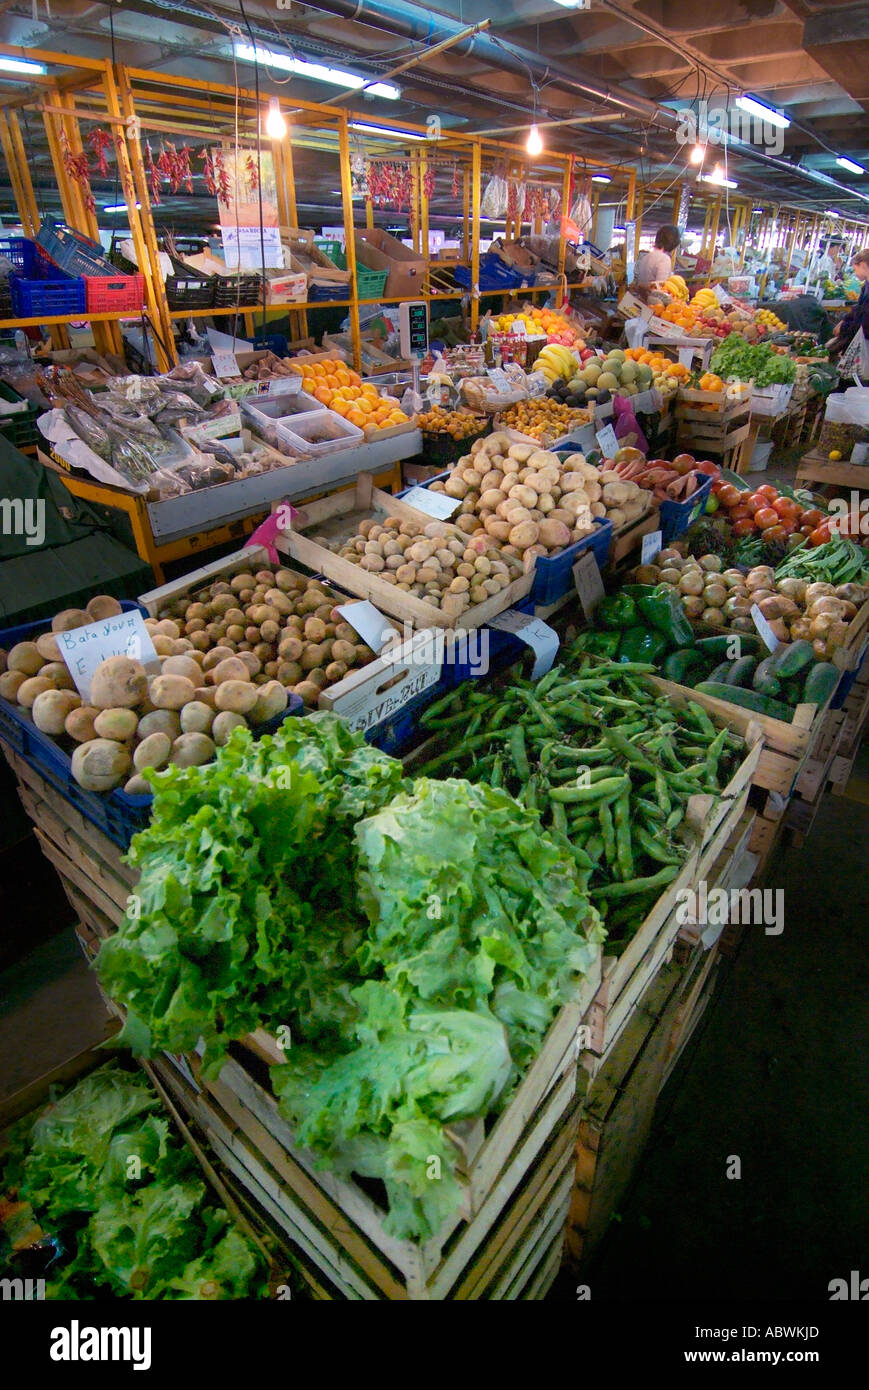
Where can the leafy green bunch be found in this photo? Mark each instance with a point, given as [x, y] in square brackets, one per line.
[734, 357]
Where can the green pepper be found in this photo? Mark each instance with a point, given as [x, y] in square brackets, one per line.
[663, 609]
[642, 644]
[619, 612]
[598, 643]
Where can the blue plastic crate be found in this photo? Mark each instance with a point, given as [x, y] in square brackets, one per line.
[676, 517]
[495, 274]
[398, 734]
[553, 578]
[73, 253]
[116, 814]
[33, 298]
[23, 253]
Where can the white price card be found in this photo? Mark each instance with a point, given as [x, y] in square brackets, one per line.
[499, 379]
[225, 365]
[538, 635]
[652, 544]
[589, 585]
[686, 356]
[607, 442]
[435, 504]
[373, 628]
[766, 633]
[84, 648]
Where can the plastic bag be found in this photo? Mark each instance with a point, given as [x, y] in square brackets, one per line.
[627, 426]
[580, 213]
[493, 203]
[854, 360]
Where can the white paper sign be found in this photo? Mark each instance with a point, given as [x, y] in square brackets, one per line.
[538, 635]
[607, 442]
[435, 504]
[225, 365]
[499, 380]
[652, 544]
[589, 585]
[766, 633]
[84, 648]
[686, 356]
[373, 628]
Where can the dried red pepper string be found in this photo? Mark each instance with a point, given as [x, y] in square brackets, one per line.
[99, 141]
[208, 170]
[252, 169]
[224, 186]
[152, 174]
[78, 169]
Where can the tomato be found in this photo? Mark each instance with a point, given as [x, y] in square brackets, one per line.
[765, 518]
[744, 527]
[813, 517]
[820, 535]
[728, 495]
[710, 468]
[785, 506]
[796, 539]
[775, 533]
[742, 514]
[767, 490]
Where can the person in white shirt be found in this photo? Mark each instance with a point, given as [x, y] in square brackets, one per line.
[656, 266]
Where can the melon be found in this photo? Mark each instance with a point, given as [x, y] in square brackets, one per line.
[608, 381]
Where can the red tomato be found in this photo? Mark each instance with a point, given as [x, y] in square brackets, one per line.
[813, 517]
[728, 495]
[744, 527]
[767, 490]
[775, 533]
[765, 518]
[741, 514]
[785, 506]
[820, 535]
[710, 468]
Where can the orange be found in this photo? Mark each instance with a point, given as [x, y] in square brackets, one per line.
[357, 418]
[322, 394]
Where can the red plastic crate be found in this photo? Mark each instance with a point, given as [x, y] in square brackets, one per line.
[108, 294]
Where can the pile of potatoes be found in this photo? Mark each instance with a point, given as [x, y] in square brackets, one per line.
[439, 563]
[211, 680]
[531, 503]
[284, 626]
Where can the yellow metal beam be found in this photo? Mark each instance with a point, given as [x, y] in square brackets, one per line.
[350, 239]
[476, 174]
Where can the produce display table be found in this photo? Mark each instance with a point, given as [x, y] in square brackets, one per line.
[184, 526]
[815, 467]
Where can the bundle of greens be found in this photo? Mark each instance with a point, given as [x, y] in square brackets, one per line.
[743, 361]
[414, 943]
[122, 1199]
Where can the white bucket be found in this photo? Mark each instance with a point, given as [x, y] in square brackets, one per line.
[760, 456]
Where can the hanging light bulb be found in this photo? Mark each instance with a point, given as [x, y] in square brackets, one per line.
[534, 143]
[276, 126]
[697, 154]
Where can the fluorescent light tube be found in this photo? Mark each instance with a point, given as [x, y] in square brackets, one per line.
[766, 113]
[385, 130]
[849, 164]
[601, 178]
[317, 72]
[21, 65]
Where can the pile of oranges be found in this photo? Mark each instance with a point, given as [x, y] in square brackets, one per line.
[679, 314]
[339, 388]
[659, 363]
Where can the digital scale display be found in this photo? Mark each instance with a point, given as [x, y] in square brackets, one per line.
[414, 329]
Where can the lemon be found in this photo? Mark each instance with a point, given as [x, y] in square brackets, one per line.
[835, 455]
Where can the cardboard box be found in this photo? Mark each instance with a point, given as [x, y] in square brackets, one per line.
[380, 251]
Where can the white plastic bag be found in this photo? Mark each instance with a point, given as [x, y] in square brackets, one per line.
[493, 203]
[854, 361]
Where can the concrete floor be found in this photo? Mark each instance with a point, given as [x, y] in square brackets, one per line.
[776, 1075]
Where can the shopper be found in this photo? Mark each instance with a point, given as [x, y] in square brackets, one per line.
[857, 316]
[656, 266]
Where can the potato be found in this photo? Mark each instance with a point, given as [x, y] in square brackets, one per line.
[70, 618]
[25, 657]
[224, 724]
[240, 581]
[153, 751]
[308, 690]
[160, 721]
[315, 629]
[553, 533]
[100, 764]
[270, 702]
[204, 695]
[343, 651]
[252, 662]
[171, 692]
[524, 534]
[165, 646]
[116, 724]
[50, 709]
[103, 606]
[30, 687]
[118, 683]
[167, 628]
[291, 648]
[289, 672]
[221, 604]
[232, 668]
[197, 718]
[236, 695]
[79, 722]
[137, 786]
[182, 666]
[218, 654]
[270, 631]
[48, 648]
[192, 750]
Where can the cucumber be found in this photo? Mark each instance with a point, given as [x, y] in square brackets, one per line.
[722, 646]
[680, 665]
[722, 672]
[820, 683]
[765, 680]
[747, 699]
[742, 671]
[790, 658]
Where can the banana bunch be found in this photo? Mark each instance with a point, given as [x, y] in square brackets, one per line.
[676, 287]
[704, 299]
[555, 361]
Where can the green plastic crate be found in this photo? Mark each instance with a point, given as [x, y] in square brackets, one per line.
[329, 248]
[370, 284]
[20, 428]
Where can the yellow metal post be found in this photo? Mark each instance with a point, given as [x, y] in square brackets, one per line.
[476, 178]
[562, 238]
[349, 236]
[423, 209]
[466, 214]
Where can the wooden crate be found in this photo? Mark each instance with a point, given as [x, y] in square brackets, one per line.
[630, 538]
[628, 976]
[339, 515]
[717, 430]
[855, 715]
